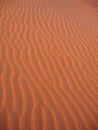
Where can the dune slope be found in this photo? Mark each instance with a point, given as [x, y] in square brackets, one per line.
[48, 65]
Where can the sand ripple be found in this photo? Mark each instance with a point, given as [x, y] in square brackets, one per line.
[48, 65]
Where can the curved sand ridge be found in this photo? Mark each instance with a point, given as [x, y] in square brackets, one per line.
[48, 65]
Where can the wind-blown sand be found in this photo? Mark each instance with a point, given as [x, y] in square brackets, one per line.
[48, 65]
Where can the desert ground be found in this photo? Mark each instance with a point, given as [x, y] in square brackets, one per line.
[48, 65]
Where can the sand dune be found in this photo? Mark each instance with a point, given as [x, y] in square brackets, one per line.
[48, 65]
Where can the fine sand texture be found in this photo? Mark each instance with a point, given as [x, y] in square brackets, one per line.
[48, 65]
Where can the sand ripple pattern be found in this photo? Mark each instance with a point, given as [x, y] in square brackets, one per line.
[48, 66]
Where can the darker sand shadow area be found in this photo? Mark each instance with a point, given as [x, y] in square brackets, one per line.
[3, 121]
[93, 3]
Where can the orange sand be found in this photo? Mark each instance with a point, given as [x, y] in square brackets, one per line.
[48, 65]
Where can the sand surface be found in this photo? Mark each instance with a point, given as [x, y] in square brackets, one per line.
[48, 65]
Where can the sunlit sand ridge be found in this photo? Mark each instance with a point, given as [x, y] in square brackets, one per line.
[48, 65]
